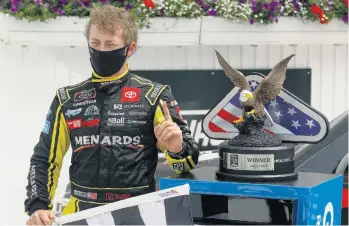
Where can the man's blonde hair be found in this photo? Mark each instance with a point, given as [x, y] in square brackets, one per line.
[112, 19]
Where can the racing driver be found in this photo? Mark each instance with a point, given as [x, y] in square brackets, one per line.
[115, 123]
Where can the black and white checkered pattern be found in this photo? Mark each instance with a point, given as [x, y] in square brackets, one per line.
[165, 207]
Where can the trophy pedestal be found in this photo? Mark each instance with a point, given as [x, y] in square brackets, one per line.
[311, 199]
[256, 163]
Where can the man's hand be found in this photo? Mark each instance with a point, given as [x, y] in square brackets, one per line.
[41, 217]
[168, 133]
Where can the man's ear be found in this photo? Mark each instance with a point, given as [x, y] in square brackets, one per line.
[131, 49]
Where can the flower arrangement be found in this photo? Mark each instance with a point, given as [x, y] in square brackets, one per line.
[253, 11]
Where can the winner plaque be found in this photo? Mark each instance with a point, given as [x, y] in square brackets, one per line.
[260, 122]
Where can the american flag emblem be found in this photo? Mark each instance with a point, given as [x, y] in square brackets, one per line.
[92, 195]
[293, 120]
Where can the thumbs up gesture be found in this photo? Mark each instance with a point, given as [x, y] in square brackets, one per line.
[168, 133]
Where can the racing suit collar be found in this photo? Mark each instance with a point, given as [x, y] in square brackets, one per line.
[97, 78]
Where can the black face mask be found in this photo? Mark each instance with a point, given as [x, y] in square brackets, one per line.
[107, 63]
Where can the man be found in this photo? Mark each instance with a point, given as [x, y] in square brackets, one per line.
[115, 122]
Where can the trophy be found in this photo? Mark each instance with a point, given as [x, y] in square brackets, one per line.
[262, 124]
[255, 154]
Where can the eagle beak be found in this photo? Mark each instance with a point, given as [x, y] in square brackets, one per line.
[249, 96]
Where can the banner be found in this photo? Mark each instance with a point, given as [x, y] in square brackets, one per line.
[194, 119]
[165, 207]
[291, 119]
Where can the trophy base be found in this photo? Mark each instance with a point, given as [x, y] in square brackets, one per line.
[256, 163]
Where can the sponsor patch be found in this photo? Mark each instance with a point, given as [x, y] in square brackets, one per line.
[130, 121]
[32, 174]
[85, 95]
[130, 94]
[74, 123]
[134, 106]
[116, 121]
[47, 126]
[88, 195]
[110, 82]
[155, 93]
[107, 140]
[117, 106]
[122, 121]
[109, 196]
[86, 102]
[62, 95]
[73, 112]
[92, 122]
[178, 166]
[136, 113]
[110, 113]
[92, 195]
[92, 111]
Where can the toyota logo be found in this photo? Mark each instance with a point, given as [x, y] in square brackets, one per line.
[130, 94]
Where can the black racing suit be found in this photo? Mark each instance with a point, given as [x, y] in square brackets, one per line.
[109, 124]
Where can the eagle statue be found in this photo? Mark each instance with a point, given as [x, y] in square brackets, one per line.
[251, 122]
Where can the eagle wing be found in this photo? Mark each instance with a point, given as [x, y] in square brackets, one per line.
[270, 87]
[235, 76]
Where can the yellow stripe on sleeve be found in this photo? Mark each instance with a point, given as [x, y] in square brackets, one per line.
[59, 146]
